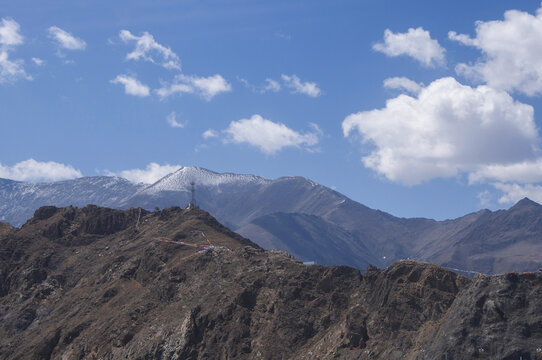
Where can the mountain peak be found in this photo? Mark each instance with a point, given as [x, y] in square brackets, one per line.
[180, 180]
[525, 203]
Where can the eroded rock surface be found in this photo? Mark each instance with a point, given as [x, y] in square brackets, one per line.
[97, 283]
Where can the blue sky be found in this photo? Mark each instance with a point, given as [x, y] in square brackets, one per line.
[423, 108]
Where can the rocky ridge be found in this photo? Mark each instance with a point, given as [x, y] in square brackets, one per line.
[97, 283]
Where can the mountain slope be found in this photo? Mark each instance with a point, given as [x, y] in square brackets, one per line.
[309, 238]
[98, 283]
[498, 242]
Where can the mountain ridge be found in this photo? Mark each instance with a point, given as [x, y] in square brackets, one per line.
[256, 207]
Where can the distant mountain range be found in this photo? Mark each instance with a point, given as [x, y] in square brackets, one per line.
[309, 220]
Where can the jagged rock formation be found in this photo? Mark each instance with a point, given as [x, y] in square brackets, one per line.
[96, 283]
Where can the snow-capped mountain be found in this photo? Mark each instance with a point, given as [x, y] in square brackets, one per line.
[180, 180]
[19, 200]
[236, 199]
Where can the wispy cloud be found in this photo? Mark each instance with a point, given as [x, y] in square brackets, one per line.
[38, 61]
[65, 40]
[206, 87]
[132, 86]
[403, 83]
[210, 133]
[269, 85]
[283, 35]
[172, 121]
[307, 88]
[147, 49]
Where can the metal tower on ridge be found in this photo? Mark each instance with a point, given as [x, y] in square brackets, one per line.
[193, 191]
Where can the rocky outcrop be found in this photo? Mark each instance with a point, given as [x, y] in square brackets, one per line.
[97, 283]
[5, 228]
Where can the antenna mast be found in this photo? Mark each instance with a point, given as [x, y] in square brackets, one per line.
[193, 191]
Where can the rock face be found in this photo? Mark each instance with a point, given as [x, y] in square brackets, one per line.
[97, 283]
[5, 228]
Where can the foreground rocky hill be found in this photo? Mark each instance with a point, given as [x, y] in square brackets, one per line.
[97, 283]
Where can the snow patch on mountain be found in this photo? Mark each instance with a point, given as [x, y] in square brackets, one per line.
[181, 179]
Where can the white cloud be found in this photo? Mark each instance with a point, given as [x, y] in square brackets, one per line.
[512, 52]
[307, 88]
[9, 33]
[10, 70]
[403, 83]
[246, 83]
[447, 130]
[271, 85]
[210, 133]
[132, 86]
[269, 136]
[485, 198]
[416, 43]
[38, 61]
[172, 121]
[32, 170]
[66, 40]
[148, 49]
[206, 87]
[512, 193]
[520, 172]
[172, 89]
[462, 38]
[151, 174]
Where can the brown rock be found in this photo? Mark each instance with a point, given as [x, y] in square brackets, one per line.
[97, 283]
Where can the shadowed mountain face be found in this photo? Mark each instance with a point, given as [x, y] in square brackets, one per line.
[501, 241]
[309, 220]
[97, 283]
